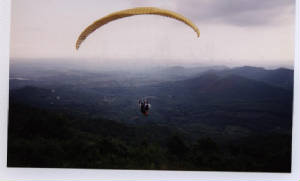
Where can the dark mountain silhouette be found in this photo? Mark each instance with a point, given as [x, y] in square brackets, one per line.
[208, 99]
[223, 87]
[281, 77]
[234, 86]
[225, 119]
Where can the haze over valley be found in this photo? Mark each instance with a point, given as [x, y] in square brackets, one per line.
[212, 110]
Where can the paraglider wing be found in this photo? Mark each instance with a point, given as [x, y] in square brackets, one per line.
[132, 12]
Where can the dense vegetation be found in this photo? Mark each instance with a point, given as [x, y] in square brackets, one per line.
[229, 120]
[38, 138]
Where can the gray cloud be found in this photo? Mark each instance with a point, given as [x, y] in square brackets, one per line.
[238, 12]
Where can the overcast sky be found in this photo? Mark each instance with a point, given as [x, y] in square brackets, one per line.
[233, 32]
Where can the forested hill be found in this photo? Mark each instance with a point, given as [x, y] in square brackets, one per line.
[40, 138]
[215, 118]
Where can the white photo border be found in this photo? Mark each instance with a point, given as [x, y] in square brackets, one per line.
[87, 174]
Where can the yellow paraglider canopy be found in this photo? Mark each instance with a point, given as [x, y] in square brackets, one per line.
[132, 12]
